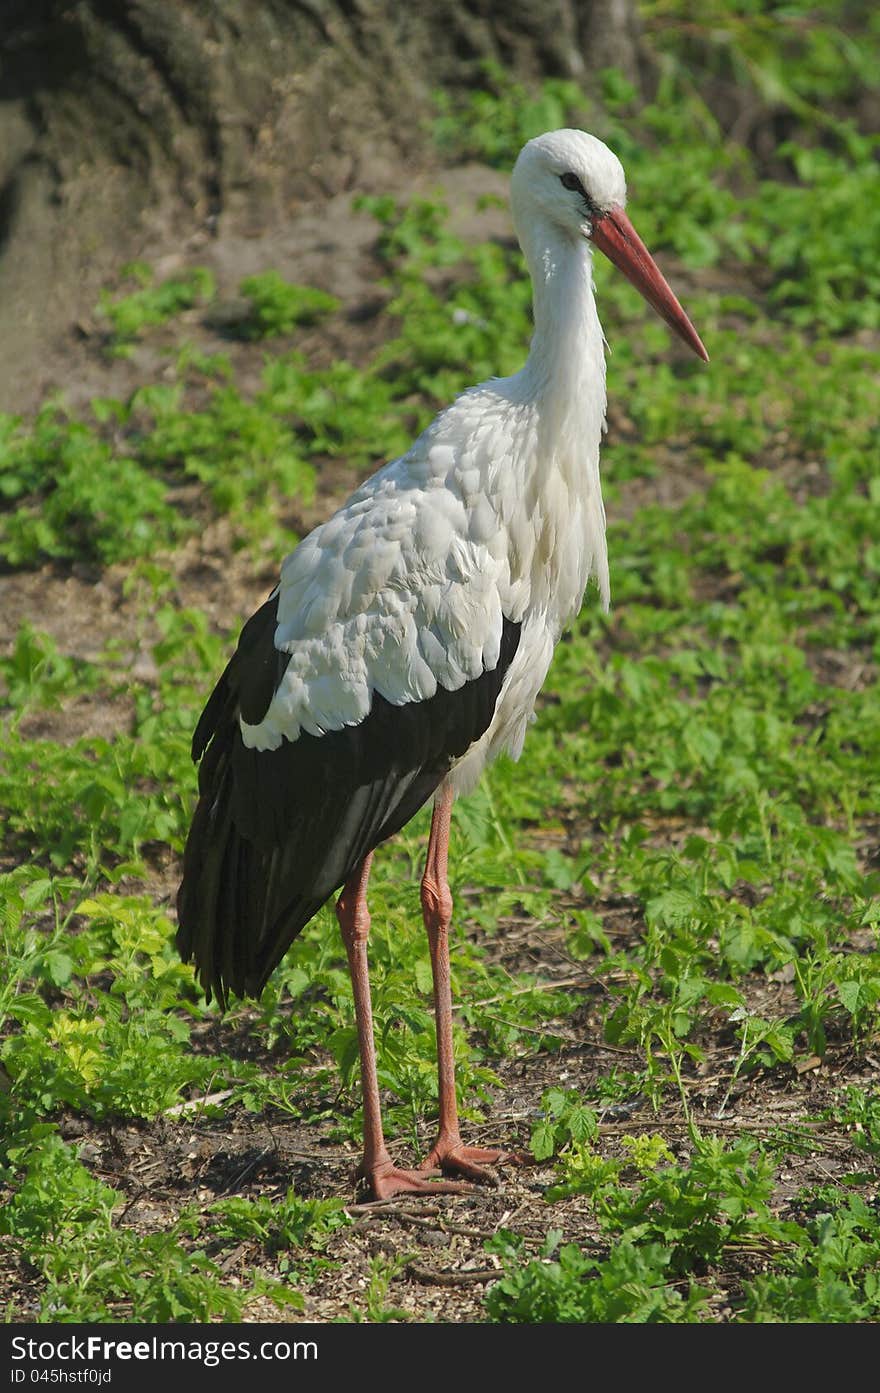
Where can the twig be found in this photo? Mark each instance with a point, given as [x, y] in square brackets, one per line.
[194, 1104]
[386, 1209]
[432, 1220]
[450, 1279]
[251, 1166]
[533, 1029]
[535, 987]
[233, 1257]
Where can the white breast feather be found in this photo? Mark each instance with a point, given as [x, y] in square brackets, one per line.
[406, 587]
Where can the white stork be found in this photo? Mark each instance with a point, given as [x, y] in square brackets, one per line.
[407, 640]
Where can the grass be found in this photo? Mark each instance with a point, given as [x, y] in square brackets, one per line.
[707, 754]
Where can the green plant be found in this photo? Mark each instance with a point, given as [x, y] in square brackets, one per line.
[277, 307]
[75, 496]
[375, 1308]
[153, 304]
[566, 1284]
[831, 1277]
[566, 1121]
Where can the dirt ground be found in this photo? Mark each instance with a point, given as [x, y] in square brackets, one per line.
[434, 1246]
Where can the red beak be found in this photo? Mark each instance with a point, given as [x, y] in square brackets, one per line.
[614, 234]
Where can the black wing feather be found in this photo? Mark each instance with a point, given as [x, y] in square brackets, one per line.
[276, 832]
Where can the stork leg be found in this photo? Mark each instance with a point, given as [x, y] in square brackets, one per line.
[377, 1168]
[448, 1152]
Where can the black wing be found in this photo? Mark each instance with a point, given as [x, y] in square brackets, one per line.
[276, 832]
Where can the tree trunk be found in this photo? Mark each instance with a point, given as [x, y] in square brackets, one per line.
[126, 126]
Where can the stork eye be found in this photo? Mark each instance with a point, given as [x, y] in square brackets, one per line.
[571, 181]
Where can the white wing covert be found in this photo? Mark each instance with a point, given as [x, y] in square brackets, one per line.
[391, 595]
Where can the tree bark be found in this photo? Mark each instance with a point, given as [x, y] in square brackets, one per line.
[128, 126]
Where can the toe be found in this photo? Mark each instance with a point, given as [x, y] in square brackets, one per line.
[385, 1183]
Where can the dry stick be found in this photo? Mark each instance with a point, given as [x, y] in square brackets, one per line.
[530, 1029]
[194, 1104]
[594, 977]
[233, 1257]
[386, 1209]
[727, 1124]
[535, 987]
[437, 1222]
[450, 1279]
[251, 1166]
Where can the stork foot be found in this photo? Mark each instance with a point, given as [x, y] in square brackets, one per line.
[451, 1155]
[386, 1180]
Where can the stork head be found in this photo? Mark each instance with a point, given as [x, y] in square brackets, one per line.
[573, 181]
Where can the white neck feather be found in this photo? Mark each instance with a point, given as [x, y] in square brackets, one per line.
[564, 379]
[565, 371]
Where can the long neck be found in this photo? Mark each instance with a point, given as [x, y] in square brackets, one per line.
[563, 382]
[565, 371]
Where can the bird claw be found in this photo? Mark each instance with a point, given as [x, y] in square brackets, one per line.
[387, 1181]
[470, 1161]
[448, 1155]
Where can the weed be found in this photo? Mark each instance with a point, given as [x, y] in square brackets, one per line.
[291, 1222]
[277, 307]
[566, 1284]
[152, 304]
[566, 1121]
[75, 496]
[860, 1111]
[375, 1308]
[831, 1277]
